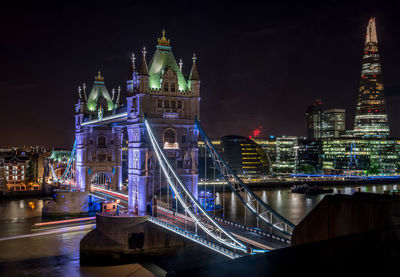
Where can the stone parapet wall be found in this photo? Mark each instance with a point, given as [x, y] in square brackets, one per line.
[67, 204]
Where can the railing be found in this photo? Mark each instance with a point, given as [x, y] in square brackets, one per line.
[251, 201]
[213, 246]
[162, 207]
[192, 207]
[254, 230]
[67, 169]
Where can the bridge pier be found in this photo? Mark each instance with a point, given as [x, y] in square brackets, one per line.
[122, 239]
[67, 203]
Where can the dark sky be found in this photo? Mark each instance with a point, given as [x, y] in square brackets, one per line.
[260, 64]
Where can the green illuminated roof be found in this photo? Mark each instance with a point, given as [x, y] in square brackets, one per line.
[162, 59]
[99, 90]
[60, 155]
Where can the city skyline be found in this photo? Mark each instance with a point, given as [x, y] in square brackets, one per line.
[252, 50]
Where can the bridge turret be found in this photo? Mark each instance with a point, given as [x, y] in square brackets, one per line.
[80, 107]
[143, 74]
[194, 80]
[132, 84]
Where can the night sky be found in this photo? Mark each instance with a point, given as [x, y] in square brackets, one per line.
[258, 64]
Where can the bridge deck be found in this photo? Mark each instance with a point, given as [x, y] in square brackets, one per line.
[243, 233]
[253, 237]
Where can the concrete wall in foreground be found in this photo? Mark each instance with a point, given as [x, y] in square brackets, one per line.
[342, 215]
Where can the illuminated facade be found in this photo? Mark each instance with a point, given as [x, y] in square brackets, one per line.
[314, 119]
[171, 102]
[15, 169]
[373, 156]
[334, 123]
[98, 146]
[324, 123]
[286, 155]
[244, 156]
[371, 118]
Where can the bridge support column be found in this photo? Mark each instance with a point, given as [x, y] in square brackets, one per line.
[142, 196]
[131, 194]
[81, 178]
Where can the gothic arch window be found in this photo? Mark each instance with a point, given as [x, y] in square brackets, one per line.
[165, 86]
[102, 141]
[169, 136]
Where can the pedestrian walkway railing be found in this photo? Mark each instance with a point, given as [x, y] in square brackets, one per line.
[188, 235]
[253, 230]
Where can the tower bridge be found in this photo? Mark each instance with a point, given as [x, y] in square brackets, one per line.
[162, 120]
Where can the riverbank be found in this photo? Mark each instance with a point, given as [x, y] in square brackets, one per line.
[287, 183]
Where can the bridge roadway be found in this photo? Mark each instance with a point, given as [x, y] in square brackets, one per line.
[251, 236]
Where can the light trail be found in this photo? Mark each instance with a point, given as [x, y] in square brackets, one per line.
[51, 232]
[64, 221]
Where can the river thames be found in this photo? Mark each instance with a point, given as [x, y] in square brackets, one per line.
[55, 252]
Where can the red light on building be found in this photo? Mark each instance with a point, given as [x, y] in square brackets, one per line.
[256, 133]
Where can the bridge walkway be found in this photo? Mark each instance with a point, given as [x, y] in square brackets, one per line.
[251, 236]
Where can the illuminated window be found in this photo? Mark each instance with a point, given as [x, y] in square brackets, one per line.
[169, 136]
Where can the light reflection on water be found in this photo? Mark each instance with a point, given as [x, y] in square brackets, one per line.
[292, 206]
[58, 254]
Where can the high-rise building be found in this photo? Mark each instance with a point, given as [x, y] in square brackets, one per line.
[314, 119]
[286, 155]
[324, 123]
[371, 118]
[333, 123]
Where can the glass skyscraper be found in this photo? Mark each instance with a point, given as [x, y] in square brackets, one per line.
[371, 118]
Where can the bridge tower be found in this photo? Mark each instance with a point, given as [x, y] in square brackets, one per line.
[98, 146]
[171, 102]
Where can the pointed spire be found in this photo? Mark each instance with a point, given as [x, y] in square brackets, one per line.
[133, 58]
[84, 91]
[194, 75]
[117, 101]
[143, 67]
[132, 67]
[112, 94]
[164, 41]
[79, 92]
[371, 32]
[99, 78]
[180, 65]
